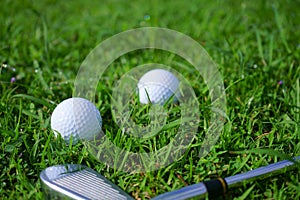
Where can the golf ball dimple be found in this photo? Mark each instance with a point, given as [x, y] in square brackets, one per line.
[76, 117]
[158, 85]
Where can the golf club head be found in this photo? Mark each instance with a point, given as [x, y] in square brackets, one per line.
[72, 181]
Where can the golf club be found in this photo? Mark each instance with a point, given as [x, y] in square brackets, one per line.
[71, 181]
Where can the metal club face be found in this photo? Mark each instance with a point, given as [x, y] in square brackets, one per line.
[71, 181]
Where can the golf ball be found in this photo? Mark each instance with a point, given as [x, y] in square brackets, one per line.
[158, 85]
[76, 117]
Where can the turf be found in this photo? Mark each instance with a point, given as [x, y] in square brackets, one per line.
[255, 44]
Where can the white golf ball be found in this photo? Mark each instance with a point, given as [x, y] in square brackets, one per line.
[76, 117]
[158, 85]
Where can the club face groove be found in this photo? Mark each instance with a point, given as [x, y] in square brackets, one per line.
[78, 182]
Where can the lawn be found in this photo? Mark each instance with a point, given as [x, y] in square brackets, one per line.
[253, 43]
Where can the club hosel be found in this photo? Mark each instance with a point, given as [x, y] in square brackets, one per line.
[216, 187]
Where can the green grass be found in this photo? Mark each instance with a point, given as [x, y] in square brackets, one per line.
[255, 44]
